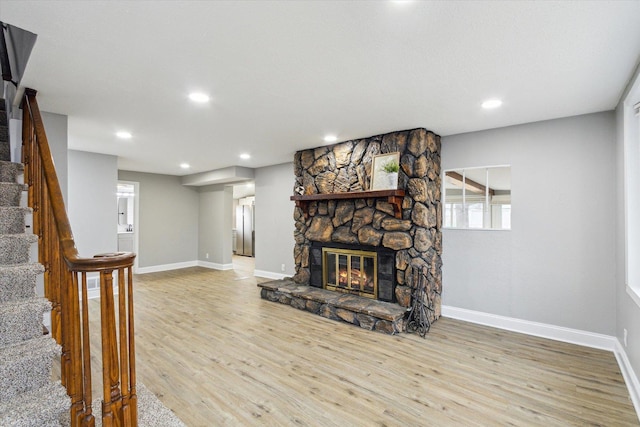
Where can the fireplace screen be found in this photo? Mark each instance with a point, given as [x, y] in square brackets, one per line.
[350, 271]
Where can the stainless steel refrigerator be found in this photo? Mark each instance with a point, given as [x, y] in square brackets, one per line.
[244, 230]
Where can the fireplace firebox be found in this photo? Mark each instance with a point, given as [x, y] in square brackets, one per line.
[360, 270]
[350, 271]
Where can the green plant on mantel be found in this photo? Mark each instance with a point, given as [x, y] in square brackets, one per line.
[391, 167]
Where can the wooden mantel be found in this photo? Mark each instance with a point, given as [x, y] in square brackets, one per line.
[394, 197]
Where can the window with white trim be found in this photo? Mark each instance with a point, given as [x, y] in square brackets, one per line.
[632, 190]
[477, 198]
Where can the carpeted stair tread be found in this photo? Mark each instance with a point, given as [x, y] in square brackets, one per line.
[11, 193]
[151, 412]
[21, 320]
[12, 219]
[43, 407]
[10, 172]
[15, 248]
[26, 366]
[18, 281]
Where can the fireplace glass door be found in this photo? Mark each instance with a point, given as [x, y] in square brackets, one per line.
[350, 271]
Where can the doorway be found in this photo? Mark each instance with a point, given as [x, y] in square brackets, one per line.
[128, 218]
[243, 219]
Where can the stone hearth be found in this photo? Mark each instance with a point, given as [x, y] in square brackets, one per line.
[340, 208]
[368, 314]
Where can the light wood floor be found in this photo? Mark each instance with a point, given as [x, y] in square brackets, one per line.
[218, 355]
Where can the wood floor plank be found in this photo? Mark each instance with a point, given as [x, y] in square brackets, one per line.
[218, 355]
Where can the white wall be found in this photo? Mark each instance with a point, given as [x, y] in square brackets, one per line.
[92, 202]
[274, 221]
[556, 265]
[214, 230]
[55, 125]
[168, 229]
[628, 310]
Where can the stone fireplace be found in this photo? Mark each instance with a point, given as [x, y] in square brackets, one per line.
[337, 211]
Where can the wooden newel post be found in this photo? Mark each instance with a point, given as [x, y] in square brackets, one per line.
[112, 402]
[133, 397]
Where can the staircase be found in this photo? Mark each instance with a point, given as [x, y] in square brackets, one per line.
[28, 397]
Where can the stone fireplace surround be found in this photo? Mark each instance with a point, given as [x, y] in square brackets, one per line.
[412, 235]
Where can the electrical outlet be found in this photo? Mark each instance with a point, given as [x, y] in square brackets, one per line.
[625, 336]
[282, 268]
[207, 256]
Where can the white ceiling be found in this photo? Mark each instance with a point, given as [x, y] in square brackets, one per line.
[283, 74]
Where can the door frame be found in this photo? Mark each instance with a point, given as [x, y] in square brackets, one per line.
[136, 220]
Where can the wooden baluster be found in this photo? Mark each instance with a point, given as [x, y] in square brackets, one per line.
[54, 268]
[37, 183]
[72, 331]
[89, 419]
[26, 137]
[60, 318]
[124, 353]
[112, 401]
[133, 397]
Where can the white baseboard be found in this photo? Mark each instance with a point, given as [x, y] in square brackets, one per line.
[93, 293]
[179, 265]
[215, 265]
[558, 333]
[93, 287]
[630, 377]
[166, 267]
[270, 275]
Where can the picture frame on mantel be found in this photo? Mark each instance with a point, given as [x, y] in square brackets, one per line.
[384, 171]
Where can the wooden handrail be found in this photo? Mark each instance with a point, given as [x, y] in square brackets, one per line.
[65, 282]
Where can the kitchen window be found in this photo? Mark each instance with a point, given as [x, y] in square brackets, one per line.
[477, 198]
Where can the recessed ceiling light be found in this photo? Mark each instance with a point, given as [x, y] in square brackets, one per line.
[123, 135]
[491, 103]
[199, 97]
[185, 165]
[330, 138]
[245, 156]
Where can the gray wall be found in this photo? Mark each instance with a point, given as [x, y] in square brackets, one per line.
[556, 265]
[56, 127]
[92, 202]
[628, 313]
[274, 220]
[168, 229]
[214, 230]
